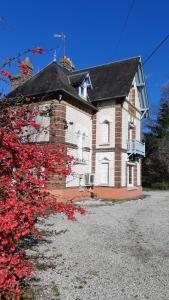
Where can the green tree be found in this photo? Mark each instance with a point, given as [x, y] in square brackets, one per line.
[156, 162]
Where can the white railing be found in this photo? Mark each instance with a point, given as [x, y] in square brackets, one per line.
[135, 147]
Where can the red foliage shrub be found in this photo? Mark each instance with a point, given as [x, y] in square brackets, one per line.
[24, 168]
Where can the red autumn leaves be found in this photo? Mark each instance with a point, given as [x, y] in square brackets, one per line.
[24, 171]
[22, 66]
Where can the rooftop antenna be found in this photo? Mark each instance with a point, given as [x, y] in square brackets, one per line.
[54, 55]
[61, 36]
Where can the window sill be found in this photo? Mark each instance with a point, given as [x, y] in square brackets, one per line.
[105, 145]
[131, 188]
[80, 162]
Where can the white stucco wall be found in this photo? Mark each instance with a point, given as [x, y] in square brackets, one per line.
[138, 133]
[100, 156]
[124, 157]
[78, 169]
[106, 113]
[81, 122]
[44, 122]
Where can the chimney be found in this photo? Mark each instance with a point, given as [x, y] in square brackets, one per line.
[26, 69]
[66, 63]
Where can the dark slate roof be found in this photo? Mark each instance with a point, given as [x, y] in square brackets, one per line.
[111, 80]
[77, 79]
[51, 79]
[108, 81]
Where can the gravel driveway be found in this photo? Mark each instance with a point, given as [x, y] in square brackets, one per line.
[118, 251]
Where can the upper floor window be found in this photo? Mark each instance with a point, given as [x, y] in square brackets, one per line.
[81, 137]
[105, 132]
[83, 91]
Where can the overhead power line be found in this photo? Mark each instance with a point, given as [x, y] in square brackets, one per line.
[125, 24]
[156, 49]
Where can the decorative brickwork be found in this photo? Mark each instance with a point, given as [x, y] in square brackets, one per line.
[57, 136]
[57, 122]
[118, 142]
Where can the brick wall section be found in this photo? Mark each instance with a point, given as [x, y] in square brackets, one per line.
[94, 143]
[118, 142]
[57, 136]
[58, 116]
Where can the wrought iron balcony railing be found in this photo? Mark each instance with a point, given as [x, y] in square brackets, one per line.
[136, 148]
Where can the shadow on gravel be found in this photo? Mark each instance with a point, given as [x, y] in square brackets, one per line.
[29, 242]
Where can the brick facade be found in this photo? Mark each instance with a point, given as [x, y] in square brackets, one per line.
[57, 136]
[93, 143]
[118, 142]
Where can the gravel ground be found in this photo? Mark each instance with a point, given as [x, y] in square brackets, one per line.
[118, 251]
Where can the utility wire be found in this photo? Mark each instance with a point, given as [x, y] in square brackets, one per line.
[150, 55]
[156, 49]
[124, 25]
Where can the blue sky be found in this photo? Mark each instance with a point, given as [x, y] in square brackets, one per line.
[92, 29]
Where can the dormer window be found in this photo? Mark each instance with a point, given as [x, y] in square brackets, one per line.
[82, 83]
[83, 91]
[84, 87]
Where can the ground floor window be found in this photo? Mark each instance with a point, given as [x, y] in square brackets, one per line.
[130, 175]
[104, 174]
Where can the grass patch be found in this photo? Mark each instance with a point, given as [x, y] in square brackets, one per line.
[157, 186]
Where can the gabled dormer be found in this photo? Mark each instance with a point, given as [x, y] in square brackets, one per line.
[82, 83]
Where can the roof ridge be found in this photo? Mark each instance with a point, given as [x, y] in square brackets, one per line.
[110, 63]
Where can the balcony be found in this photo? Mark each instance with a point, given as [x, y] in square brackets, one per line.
[135, 147]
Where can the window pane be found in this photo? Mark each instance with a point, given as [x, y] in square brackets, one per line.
[105, 133]
[80, 146]
[130, 175]
[104, 173]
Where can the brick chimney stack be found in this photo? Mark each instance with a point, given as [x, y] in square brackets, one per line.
[66, 63]
[26, 69]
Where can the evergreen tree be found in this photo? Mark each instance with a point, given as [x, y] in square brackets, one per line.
[156, 162]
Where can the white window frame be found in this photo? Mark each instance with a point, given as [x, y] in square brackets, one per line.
[105, 140]
[130, 165]
[80, 145]
[106, 162]
[83, 88]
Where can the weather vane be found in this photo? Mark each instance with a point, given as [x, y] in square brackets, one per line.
[61, 36]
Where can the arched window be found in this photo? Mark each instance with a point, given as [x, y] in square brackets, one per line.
[105, 132]
[104, 172]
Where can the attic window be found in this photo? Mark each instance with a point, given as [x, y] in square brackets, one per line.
[83, 91]
[83, 88]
